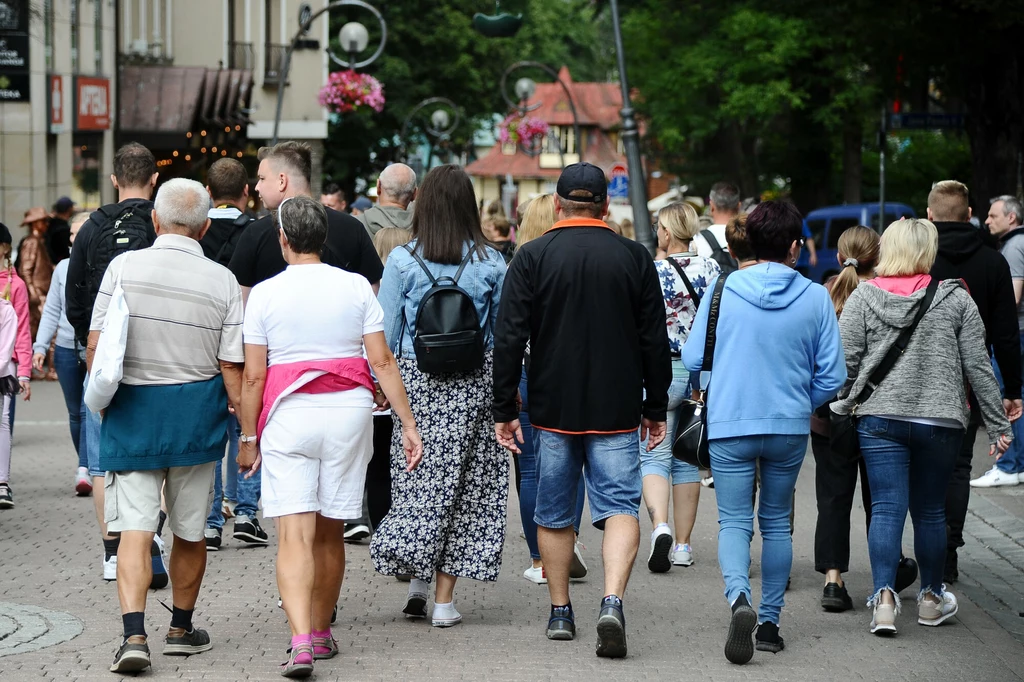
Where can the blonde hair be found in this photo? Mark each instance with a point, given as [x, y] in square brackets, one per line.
[628, 230]
[861, 245]
[388, 239]
[680, 220]
[79, 218]
[908, 247]
[538, 219]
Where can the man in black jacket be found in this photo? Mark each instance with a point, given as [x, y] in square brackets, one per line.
[964, 255]
[589, 303]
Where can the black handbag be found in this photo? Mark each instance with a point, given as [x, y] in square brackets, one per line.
[843, 435]
[691, 445]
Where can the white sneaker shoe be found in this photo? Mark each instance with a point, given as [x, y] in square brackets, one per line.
[934, 613]
[445, 615]
[883, 620]
[661, 549]
[1020, 477]
[535, 574]
[578, 568]
[83, 483]
[110, 568]
[994, 478]
[682, 555]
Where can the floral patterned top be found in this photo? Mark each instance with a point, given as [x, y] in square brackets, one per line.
[679, 308]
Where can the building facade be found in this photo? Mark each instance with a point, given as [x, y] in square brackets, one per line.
[199, 79]
[57, 87]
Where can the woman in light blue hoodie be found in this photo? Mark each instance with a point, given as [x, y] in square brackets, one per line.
[777, 357]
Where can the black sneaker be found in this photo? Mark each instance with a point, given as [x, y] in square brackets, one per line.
[835, 598]
[739, 648]
[611, 629]
[132, 657]
[181, 643]
[356, 532]
[561, 623]
[213, 539]
[6, 498]
[768, 638]
[248, 530]
[951, 573]
[906, 574]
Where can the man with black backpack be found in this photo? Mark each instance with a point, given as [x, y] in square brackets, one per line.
[711, 243]
[110, 231]
[228, 185]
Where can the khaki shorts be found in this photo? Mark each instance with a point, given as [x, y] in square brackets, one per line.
[132, 500]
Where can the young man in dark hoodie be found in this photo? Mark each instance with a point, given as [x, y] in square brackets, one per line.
[963, 254]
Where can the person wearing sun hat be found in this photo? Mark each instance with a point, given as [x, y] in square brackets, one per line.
[34, 264]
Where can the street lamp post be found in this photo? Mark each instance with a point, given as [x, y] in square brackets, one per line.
[631, 141]
[441, 125]
[354, 39]
[524, 91]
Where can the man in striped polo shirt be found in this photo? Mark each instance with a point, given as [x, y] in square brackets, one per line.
[167, 424]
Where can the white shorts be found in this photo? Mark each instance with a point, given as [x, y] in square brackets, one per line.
[315, 455]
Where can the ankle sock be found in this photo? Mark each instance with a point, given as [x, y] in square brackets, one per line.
[180, 618]
[134, 624]
[110, 547]
[322, 634]
[304, 658]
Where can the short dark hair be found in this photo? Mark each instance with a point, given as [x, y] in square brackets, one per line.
[585, 207]
[227, 179]
[304, 221]
[333, 188]
[736, 237]
[445, 217]
[772, 227]
[501, 225]
[134, 165]
[297, 156]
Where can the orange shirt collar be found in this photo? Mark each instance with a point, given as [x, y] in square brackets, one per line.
[579, 222]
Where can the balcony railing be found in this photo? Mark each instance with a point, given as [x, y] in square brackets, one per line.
[273, 64]
[241, 56]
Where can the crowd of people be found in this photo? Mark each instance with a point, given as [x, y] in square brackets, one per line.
[389, 408]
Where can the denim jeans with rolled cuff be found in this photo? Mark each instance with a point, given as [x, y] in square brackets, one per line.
[247, 490]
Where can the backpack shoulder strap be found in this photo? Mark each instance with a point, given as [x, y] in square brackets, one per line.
[416, 257]
[686, 281]
[712, 240]
[242, 220]
[465, 262]
[712, 332]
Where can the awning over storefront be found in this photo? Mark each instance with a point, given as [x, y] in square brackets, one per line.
[173, 99]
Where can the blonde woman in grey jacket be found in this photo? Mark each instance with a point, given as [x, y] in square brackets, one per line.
[911, 426]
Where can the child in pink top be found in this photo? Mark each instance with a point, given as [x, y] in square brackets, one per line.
[9, 329]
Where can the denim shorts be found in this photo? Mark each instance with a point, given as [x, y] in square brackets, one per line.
[612, 475]
[659, 461]
[92, 437]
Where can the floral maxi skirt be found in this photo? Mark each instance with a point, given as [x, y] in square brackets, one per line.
[449, 514]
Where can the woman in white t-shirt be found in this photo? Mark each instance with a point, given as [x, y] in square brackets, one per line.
[306, 417]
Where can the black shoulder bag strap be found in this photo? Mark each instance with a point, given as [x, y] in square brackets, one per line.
[686, 281]
[900, 345]
[712, 332]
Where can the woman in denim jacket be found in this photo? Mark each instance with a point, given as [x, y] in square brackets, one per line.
[447, 517]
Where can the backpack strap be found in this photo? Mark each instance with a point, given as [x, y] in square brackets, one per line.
[416, 257]
[686, 281]
[465, 262]
[711, 239]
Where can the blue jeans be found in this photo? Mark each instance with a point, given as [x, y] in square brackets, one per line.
[1012, 461]
[247, 490]
[660, 461]
[71, 376]
[733, 464]
[612, 474]
[528, 478]
[909, 466]
[91, 437]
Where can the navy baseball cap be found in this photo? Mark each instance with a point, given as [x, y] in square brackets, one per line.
[362, 203]
[63, 205]
[583, 177]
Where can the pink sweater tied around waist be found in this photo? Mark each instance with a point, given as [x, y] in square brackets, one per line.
[312, 376]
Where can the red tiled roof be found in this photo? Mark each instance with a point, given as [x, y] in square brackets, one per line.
[599, 152]
[597, 104]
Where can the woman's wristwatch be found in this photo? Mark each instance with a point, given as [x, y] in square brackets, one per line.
[246, 439]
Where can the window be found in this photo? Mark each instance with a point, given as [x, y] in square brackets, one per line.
[48, 29]
[837, 227]
[98, 35]
[74, 36]
[566, 140]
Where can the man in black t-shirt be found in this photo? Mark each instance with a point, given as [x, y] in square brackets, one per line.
[285, 171]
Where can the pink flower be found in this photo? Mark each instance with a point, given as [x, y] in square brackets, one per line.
[348, 91]
[516, 128]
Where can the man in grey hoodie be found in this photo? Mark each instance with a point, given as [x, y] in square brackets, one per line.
[396, 189]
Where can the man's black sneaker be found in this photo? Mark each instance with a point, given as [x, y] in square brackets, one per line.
[248, 530]
[611, 629]
[951, 573]
[768, 638]
[739, 648]
[356, 532]
[906, 574]
[160, 578]
[182, 643]
[132, 656]
[213, 539]
[6, 497]
[561, 623]
[835, 599]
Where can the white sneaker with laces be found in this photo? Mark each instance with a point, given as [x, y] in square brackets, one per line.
[110, 568]
[445, 615]
[995, 478]
[932, 613]
[682, 555]
[661, 549]
[535, 574]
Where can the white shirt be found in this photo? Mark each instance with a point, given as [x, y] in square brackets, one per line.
[312, 312]
[701, 246]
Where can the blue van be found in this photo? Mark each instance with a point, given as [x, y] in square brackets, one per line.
[827, 223]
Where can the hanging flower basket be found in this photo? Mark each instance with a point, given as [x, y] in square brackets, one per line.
[516, 129]
[348, 91]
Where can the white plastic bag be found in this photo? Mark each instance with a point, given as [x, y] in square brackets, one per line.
[108, 361]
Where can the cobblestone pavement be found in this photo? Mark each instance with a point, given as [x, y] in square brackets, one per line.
[51, 589]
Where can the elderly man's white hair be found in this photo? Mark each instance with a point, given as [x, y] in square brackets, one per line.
[398, 183]
[182, 204]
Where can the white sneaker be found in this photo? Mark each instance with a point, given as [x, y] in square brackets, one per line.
[934, 613]
[1020, 477]
[110, 568]
[661, 549]
[83, 483]
[994, 478]
[578, 568]
[883, 620]
[445, 615]
[682, 555]
[535, 574]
